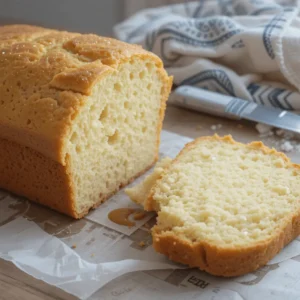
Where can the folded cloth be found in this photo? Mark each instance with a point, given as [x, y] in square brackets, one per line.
[244, 48]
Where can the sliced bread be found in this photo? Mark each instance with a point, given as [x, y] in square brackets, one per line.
[225, 207]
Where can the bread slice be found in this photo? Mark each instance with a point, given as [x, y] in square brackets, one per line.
[80, 115]
[225, 207]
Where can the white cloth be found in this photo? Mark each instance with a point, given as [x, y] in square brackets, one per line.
[244, 48]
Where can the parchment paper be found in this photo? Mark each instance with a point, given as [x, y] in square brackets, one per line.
[97, 259]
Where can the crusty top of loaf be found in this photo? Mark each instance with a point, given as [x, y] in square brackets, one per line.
[45, 78]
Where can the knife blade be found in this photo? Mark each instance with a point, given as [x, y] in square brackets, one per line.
[234, 108]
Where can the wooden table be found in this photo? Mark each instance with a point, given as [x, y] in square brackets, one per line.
[14, 284]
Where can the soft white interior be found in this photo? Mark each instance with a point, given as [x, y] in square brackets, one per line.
[227, 194]
[115, 137]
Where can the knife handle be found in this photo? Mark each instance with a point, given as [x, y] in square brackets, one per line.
[210, 102]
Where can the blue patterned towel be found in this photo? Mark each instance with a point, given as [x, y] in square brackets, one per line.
[244, 48]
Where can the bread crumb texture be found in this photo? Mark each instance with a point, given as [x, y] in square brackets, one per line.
[92, 105]
[226, 207]
[140, 192]
[142, 244]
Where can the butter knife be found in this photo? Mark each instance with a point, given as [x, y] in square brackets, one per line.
[233, 108]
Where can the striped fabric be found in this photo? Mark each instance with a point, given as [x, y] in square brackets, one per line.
[247, 48]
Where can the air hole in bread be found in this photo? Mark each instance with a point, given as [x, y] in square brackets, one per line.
[93, 108]
[74, 138]
[113, 138]
[149, 66]
[117, 87]
[78, 149]
[142, 75]
[103, 114]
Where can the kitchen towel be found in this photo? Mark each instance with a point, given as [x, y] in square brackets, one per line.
[244, 48]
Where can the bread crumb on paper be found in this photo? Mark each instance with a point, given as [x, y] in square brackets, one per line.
[216, 127]
[142, 244]
[283, 140]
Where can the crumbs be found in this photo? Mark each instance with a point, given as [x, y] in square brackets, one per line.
[284, 140]
[142, 244]
[216, 127]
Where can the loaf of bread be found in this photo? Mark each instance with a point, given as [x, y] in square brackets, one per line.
[224, 207]
[80, 115]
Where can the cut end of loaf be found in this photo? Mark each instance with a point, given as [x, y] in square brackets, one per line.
[116, 135]
[238, 204]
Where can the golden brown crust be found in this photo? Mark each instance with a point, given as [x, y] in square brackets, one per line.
[28, 173]
[164, 97]
[53, 71]
[226, 261]
[81, 80]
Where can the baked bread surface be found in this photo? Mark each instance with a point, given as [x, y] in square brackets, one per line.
[225, 207]
[63, 97]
